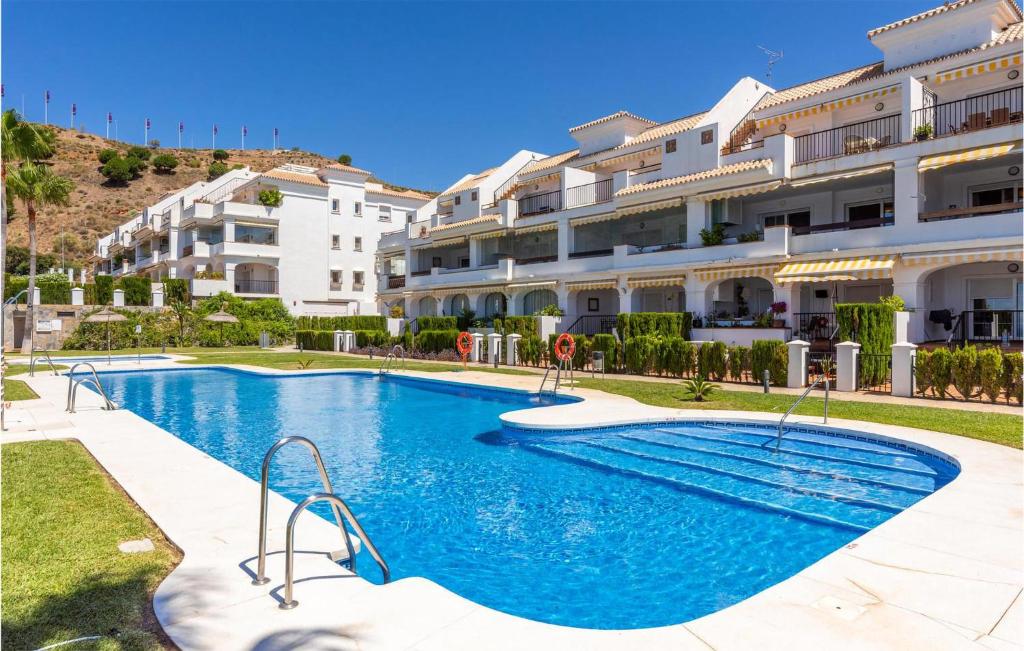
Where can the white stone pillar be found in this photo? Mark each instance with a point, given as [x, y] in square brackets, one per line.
[348, 340]
[494, 347]
[912, 98]
[512, 350]
[71, 276]
[900, 326]
[118, 298]
[915, 297]
[158, 298]
[626, 300]
[474, 352]
[82, 276]
[564, 240]
[788, 293]
[696, 220]
[339, 337]
[903, 356]
[35, 297]
[846, 366]
[797, 369]
[77, 296]
[906, 194]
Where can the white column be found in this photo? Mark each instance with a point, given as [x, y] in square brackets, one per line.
[512, 350]
[229, 275]
[797, 369]
[474, 353]
[912, 99]
[474, 252]
[915, 297]
[626, 300]
[494, 347]
[903, 356]
[36, 301]
[906, 194]
[696, 220]
[77, 296]
[788, 293]
[846, 366]
[118, 298]
[339, 337]
[900, 326]
[564, 240]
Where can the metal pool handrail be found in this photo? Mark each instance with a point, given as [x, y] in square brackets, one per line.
[33, 359]
[385, 366]
[822, 377]
[73, 384]
[336, 503]
[398, 348]
[261, 567]
[544, 380]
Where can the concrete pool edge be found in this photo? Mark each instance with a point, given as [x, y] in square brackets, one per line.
[945, 572]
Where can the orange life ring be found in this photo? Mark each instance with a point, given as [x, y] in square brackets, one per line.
[565, 354]
[464, 343]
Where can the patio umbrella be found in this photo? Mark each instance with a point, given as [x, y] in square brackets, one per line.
[106, 315]
[221, 317]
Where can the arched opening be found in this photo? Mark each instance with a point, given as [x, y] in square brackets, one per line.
[659, 299]
[457, 305]
[495, 304]
[982, 301]
[740, 299]
[539, 299]
[427, 306]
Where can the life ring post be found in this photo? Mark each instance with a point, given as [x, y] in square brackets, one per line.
[464, 344]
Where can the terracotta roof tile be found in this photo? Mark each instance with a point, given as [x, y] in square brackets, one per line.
[556, 160]
[405, 194]
[734, 168]
[469, 183]
[482, 219]
[942, 9]
[347, 168]
[666, 129]
[294, 177]
[609, 118]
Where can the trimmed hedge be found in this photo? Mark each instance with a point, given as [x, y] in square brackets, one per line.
[606, 344]
[435, 341]
[366, 338]
[770, 355]
[665, 324]
[355, 322]
[314, 339]
[13, 285]
[104, 290]
[137, 291]
[54, 289]
[870, 325]
[988, 373]
[711, 362]
[739, 362]
[529, 351]
[437, 323]
[520, 325]
[640, 353]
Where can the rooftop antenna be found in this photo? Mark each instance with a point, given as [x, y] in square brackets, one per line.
[773, 58]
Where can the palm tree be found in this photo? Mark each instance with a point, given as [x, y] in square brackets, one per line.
[36, 186]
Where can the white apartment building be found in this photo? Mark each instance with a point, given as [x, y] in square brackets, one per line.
[315, 251]
[901, 177]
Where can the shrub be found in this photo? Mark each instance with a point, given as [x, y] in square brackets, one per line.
[893, 301]
[530, 348]
[157, 328]
[1013, 370]
[687, 358]
[990, 373]
[665, 324]
[54, 289]
[670, 356]
[639, 353]
[104, 290]
[136, 165]
[137, 291]
[220, 155]
[965, 371]
[139, 152]
[106, 155]
[739, 362]
[397, 312]
[437, 322]
[871, 325]
[550, 310]
[118, 170]
[272, 197]
[366, 338]
[314, 340]
[923, 371]
[941, 371]
[345, 159]
[770, 355]
[164, 163]
[215, 170]
[13, 285]
[583, 348]
[263, 315]
[711, 360]
[356, 322]
[698, 389]
[606, 344]
[520, 325]
[435, 341]
[89, 293]
[176, 291]
[713, 236]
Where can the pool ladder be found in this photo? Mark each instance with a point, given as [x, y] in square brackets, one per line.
[341, 513]
[558, 376]
[94, 380]
[32, 359]
[392, 357]
[821, 378]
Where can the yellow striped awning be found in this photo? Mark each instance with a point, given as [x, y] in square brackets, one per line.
[825, 107]
[742, 191]
[745, 271]
[846, 269]
[1005, 254]
[483, 219]
[593, 219]
[979, 153]
[615, 160]
[489, 234]
[537, 228]
[976, 69]
[533, 285]
[610, 283]
[877, 169]
[648, 207]
[665, 281]
[440, 244]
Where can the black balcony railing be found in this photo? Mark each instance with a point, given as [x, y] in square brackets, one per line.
[971, 114]
[844, 226]
[246, 286]
[988, 326]
[589, 194]
[591, 254]
[187, 250]
[394, 282]
[538, 259]
[538, 204]
[592, 324]
[818, 328]
[424, 272]
[850, 139]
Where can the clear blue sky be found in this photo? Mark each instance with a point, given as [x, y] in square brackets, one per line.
[420, 93]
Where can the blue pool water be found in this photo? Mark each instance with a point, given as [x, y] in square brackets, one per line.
[612, 528]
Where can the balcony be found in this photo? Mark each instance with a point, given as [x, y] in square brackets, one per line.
[358, 287]
[978, 211]
[851, 139]
[539, 259]
[396, 282]
[844, 226]
[539, 204]
[597, 253]
[746, 146]
[971, 114]
[255, 286]
[336, 287]
[589, 194]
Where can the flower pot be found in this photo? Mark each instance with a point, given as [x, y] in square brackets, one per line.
[778, 323]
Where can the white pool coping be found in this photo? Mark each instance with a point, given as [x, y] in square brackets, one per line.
[947, 573]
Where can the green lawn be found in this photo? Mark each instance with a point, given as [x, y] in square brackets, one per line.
[291, 361]
[18, 390]
[1004, 429]
[63, 575]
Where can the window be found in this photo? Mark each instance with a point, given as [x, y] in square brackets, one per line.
[473, 196]
[357, 244]
[995, 195]
[336, 278]
[435, 261]
[707, 136]
[799, 219]
[335, 206]
[464, 263]
[670, 146]
[384, 213]
[410, 217]
[872, 213]
[357, 280]
[335, 242]
[458, 200]
[359, 209]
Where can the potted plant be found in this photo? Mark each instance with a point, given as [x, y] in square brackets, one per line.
[923, 132]
[777, 310]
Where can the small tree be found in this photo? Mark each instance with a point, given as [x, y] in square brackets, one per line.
[164, 163]
[216, 169]
[220, 154]
[136, 165]
[106, 155]
[271, 197]
[118, 170]
[139, 152]
[345, 159]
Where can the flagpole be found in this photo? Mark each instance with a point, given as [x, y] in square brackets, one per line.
[46, 107]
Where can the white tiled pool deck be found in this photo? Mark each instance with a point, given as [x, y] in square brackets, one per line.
[947, 573]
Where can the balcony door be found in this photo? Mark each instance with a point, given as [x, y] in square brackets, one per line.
[994, 303]
[867, 215]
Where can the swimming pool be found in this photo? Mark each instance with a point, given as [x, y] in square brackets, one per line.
[624, 527]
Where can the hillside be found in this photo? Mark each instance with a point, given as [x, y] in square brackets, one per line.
[98, 206]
